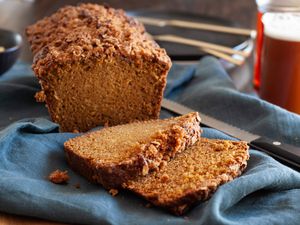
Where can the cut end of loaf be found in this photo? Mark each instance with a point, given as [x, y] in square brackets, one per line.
[193, 175]
[115, 91]
[114, 155]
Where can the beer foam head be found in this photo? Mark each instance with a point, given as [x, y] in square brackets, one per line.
[283, 26]
[278, 5]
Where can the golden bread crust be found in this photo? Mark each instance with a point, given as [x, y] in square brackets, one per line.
[77, 33]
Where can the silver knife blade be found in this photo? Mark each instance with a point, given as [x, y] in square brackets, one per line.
[210, 121]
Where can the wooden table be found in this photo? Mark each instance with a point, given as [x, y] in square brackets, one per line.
[17, 14]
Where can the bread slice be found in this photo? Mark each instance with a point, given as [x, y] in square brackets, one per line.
[95, 65]
[192, 175]
[114, 155]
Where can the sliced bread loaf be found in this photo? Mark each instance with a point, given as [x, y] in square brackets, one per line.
[95, 65]
[115, 155]
[193, 175]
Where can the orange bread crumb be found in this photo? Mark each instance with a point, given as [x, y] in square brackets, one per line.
[59, 177]
[113, 192]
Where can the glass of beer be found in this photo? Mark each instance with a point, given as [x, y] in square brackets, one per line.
[280, 60]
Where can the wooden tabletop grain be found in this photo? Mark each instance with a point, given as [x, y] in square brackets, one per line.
[17, 14]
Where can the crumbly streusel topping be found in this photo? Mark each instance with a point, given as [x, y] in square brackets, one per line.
[90, 31]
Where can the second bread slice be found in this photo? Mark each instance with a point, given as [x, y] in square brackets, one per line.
[115, 155]
[193, 175]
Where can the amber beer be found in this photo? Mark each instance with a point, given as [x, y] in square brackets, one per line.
[280, 69]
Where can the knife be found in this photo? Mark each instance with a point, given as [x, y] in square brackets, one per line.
[288, 154]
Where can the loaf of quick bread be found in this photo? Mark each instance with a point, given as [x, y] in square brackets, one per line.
[97, 65]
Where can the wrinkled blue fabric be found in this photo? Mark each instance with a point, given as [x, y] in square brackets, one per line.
[267, 192]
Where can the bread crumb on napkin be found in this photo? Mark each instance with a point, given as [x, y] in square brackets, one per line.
[59, 177]
[40, 96]
[113, 192]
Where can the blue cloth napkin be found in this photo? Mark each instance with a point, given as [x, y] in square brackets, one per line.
[267, 192]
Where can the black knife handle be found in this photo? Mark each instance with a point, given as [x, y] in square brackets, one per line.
[284, 152]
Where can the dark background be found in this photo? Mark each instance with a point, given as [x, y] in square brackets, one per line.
[17, 14]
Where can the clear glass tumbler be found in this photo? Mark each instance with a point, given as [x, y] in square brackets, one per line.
[277, 63]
